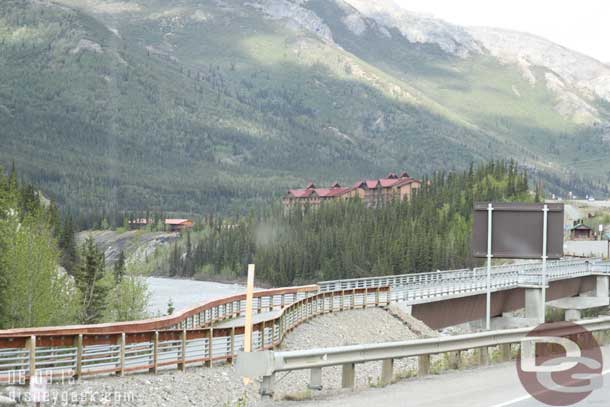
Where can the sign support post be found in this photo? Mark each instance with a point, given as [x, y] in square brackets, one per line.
[545, 224]
[489, 256]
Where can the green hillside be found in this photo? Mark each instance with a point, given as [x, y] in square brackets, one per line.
[203, 105]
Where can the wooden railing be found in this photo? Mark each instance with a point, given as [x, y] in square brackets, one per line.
[77, 351]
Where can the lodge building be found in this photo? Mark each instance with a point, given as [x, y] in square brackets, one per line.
[374, 193]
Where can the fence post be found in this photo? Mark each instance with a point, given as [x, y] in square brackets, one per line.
[30, 345]
[182, 360]
[78, 343]
[210, 361]
[423, 365]
[262, 335]
[121, 343]
[387, 371]
[348, 376]
[232, 349]
[155, 354]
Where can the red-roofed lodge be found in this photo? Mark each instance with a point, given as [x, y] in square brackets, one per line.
[373, 193]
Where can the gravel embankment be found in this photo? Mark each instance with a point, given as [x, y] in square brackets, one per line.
[221, 385]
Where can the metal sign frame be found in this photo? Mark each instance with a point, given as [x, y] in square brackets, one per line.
[517, 237]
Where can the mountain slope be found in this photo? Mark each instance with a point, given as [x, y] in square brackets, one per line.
[200, 105]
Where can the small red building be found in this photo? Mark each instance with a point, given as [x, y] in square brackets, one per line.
[178, 225]
[581, 231]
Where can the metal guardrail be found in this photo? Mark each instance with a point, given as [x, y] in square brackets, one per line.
[63, 354]
[268, 364]
[421, 287]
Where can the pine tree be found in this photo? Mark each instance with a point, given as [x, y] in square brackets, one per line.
[89, 280]
[170, 307]
[119, 268]
[67, 244]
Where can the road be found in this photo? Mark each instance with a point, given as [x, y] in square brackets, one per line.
[493, 386]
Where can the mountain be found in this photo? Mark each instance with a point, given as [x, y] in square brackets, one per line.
[205, 105]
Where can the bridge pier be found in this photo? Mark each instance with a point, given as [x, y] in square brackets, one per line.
[602, 289]
[574, 306]
[533, 304]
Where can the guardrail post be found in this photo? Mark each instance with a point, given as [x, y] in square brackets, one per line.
[387, 371]
[483, 354]
[348, 376]
[453, 359]
[182, 360]
[332, 302]
[315, 382]
[423, 365]
[121, 343]
[210, 361]
[78, 344]
[267, 386]
[30, 345]
[155, 354]
[505, 352]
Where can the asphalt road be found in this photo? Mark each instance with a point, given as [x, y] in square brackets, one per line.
[493, 386]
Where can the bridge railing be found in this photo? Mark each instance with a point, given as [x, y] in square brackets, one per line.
[59, 354]
[268, 364]
[422, 286]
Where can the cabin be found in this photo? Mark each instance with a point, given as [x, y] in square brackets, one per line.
[178, 225]
[580, 231]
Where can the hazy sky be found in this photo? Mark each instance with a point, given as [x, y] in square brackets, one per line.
[582, 25]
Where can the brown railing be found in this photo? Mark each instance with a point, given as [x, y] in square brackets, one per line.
[180, 340]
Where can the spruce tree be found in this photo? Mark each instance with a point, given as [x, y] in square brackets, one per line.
[119, 268]
[89, 280]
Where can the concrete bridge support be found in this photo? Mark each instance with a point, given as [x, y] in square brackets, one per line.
[574, 306]
[533, 304]
[602, 289]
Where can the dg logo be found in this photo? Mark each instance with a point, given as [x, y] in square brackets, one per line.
[560, 364]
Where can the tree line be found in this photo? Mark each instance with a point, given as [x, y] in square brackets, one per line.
[46, 278]
[346, 239]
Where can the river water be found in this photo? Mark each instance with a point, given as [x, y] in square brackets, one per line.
[185, 293]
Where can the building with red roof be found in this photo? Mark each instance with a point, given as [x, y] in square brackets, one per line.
[178, 225]
[374, 193]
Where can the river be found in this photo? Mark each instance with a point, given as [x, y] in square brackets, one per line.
[185, 293]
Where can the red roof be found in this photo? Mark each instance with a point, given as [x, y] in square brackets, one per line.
[176, 221]
[321, 192]
[336, 190]
[371, 183]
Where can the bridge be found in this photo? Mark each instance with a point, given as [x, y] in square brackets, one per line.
[214, 332]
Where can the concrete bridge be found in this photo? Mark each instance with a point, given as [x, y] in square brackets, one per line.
[213, 332]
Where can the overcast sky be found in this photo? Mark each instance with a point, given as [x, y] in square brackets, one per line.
[582, 25]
